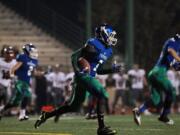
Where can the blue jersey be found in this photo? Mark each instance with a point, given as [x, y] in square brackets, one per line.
[166, 60]
[102, 55]
[25, 71]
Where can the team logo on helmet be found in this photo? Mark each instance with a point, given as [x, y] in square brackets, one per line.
[30, 50]
[106, 34]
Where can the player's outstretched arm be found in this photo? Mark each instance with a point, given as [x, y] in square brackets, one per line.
[115, 68]
[15, 67]
[174, 54]
[176, 62]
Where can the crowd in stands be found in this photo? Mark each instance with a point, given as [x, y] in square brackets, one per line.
[51, 87]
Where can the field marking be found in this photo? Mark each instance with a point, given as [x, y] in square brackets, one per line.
[150, 129]
[31, 133]
[133, 129]
[62, 118]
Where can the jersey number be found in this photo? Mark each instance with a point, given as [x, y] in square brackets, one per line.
[29, 73]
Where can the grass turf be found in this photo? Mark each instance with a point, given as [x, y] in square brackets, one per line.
[77, 125]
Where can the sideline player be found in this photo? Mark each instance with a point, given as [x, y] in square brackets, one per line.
[159, 83]
[7, 61]
[96, 51]
[26, 62]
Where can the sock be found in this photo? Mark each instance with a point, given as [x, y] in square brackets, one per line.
[90, 109]
[24, 102]
[22, 112]
[142, 108]
[100, 113]
[101, 120]
[145, 106]
[165, 112]
[167, 106]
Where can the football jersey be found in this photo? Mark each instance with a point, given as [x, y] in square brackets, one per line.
[57, 79]
[137, 78]
[102, 55]
[120, 81]
[166, 59]
[24, 73]
[102, 79]
[4, 68]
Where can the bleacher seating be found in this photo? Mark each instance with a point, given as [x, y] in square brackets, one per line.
[17, 31]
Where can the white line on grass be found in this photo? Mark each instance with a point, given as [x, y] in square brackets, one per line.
[30, 133]
[132, 129]
[150, 129]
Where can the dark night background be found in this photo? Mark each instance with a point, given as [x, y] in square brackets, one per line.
[154, 21]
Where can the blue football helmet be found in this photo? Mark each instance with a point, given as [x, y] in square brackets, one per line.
[106, 34]
[30, 50]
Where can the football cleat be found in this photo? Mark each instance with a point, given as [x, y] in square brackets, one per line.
[41, 120]
[166, 120]
[106, 131]
[137, 116]
[22, 118]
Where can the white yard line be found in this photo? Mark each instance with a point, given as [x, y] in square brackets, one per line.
[30, 133]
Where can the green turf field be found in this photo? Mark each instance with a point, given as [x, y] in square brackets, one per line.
[77, 125]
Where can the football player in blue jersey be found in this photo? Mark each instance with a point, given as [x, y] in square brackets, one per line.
[159, 83]
[96, 51]
[23, 69]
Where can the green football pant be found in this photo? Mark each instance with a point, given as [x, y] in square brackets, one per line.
[21, 92]
[159, 84]
[82, 84]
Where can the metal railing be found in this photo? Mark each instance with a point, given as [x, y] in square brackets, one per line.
[52, 22]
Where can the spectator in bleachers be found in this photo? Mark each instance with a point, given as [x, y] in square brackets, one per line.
[138, 81]
[57, 77]
[120, 91]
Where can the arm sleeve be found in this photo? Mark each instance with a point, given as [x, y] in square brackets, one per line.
[20, 58]
[74, 59]
[171, 45]
[105, 70]
[89, 51]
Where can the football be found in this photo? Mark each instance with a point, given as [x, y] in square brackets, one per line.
[84, 65]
